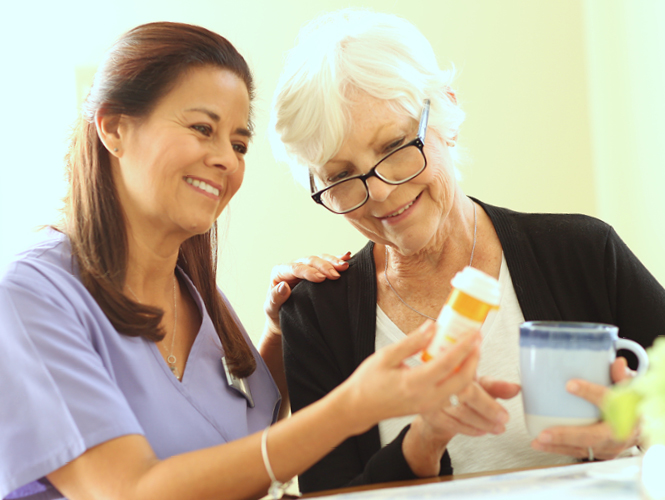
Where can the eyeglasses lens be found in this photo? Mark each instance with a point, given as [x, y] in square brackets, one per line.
[397, 167]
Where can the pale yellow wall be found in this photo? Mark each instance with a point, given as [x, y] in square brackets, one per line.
[522, 81]
[626, 53]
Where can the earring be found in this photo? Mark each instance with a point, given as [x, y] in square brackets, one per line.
[115, 150]
[450, 144]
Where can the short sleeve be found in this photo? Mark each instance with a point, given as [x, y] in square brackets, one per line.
[58, 397]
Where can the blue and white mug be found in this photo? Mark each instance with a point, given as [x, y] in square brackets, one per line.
[552, 353]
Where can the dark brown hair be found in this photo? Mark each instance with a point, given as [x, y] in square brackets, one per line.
[140, 69]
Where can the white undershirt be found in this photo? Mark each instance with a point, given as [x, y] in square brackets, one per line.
[499, 359]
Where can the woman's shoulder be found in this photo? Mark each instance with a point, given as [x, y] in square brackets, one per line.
[45, 275]
[332, 301]
[52, 253]
[359, 273]
[548, 228]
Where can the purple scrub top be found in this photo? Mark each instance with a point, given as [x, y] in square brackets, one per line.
[70, 381]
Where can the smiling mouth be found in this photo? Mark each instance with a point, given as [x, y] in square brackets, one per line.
[403, 209]
[202, 185]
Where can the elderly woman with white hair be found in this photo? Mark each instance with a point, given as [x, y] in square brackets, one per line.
[365, 112]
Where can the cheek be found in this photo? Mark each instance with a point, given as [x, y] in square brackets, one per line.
[141, 178]
[440, 175]
[438, 156]
[157, 166]
[236, 180]
[357, 217]
[360, 220]
[441, 180]
[233, 184]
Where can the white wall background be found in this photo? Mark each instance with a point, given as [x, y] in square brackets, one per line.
[564, 103]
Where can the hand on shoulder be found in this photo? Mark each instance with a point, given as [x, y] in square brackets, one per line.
[284, 277]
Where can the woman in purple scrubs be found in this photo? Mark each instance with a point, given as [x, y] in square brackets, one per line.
[125, 373]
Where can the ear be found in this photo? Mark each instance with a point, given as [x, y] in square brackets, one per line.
[453, 140]
[107, 126]
[451, 95]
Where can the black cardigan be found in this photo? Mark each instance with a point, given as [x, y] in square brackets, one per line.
[563, 267]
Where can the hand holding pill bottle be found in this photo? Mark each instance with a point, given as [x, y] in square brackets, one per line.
[473, 296]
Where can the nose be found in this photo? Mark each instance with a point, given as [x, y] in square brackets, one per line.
[379, 190]
[224, 157]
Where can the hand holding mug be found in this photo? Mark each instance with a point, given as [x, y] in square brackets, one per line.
[595, 439]
[566, 368]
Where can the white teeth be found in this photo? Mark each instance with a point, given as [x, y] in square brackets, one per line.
[202, 185]
[399, 212]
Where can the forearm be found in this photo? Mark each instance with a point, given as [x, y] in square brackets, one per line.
[422, 450]
[236, 470]
[126, 468]
[270, 348]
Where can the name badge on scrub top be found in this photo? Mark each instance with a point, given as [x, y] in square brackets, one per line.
[239, 384]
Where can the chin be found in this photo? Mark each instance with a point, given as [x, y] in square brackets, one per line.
[407, 248]
[198, 227]
[410, 244]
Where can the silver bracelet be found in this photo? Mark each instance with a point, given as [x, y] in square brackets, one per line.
[277, 488]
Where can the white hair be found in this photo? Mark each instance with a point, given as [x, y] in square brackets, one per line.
[379, 54]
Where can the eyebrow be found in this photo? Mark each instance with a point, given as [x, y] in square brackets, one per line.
[216, 118]
[372, 143]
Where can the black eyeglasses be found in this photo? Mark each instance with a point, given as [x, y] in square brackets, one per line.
[400, 166]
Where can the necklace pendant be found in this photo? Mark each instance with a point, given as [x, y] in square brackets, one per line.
[174, 370]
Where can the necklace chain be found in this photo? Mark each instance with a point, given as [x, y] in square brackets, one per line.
[385, 267]
[171, 360]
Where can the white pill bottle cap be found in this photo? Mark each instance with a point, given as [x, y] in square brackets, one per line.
[478, 285]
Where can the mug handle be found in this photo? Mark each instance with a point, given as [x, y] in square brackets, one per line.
[637, 350]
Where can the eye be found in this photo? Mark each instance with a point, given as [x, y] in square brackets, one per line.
[203, 129]
[240, 148]
[394, 145]
[339, 176]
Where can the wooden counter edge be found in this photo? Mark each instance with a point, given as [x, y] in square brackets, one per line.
[427, 480]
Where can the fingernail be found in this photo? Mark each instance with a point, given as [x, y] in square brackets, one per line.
[537, 446]
[319, 275]
[281, 288]
[572, 386]
[503, 417]
[342, 263]
[498, 429]
[334, 273]
[545, 437]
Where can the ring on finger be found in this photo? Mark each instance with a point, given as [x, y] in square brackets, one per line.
[454, 400]
[591, 456]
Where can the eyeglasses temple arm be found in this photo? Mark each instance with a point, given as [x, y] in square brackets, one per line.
[312, 187]
[422, 128]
